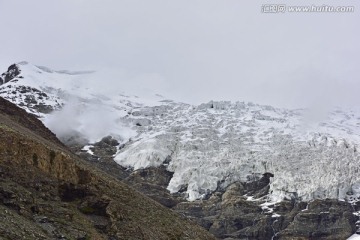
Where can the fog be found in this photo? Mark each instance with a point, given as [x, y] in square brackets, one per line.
[194, 51]
[87, 123]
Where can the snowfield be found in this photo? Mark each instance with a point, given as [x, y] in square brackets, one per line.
[207, 146]
[215, 144]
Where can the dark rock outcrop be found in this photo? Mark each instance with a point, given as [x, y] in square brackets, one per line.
[259, 187]
[229, 215]
[12, 72]
[322, 219]
[106, 147]
[153, 181]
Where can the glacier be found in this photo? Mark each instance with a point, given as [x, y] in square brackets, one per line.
[218, 143]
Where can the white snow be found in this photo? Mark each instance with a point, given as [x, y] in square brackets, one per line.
[87, 148]
[354, 237]
[267, 206]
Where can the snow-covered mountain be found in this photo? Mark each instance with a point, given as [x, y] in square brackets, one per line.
[86, 109]
[208, 146]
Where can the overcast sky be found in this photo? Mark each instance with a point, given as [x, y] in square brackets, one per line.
[193, 50]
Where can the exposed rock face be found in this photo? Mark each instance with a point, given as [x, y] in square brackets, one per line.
[106, 147]
[12, 72]
[102, 157]
[153, 182]
[229, 215]
[258, 188]
[152, 175]
[323, 219]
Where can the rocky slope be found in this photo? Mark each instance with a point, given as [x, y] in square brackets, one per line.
[46, 192]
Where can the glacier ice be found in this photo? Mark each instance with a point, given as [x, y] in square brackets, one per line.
[226, 142]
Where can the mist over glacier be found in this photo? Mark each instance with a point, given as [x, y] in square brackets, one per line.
[90, 122]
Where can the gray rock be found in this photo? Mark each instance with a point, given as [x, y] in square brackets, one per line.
[12, 72]
[142, 122]
[157, 176]
[323, 219]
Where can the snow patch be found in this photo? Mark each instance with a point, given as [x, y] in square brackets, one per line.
[354, 237]
[87, 148]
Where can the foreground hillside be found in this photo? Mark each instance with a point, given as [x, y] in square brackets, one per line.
[48, 193]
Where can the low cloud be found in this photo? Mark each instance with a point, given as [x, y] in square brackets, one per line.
[84, 122]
